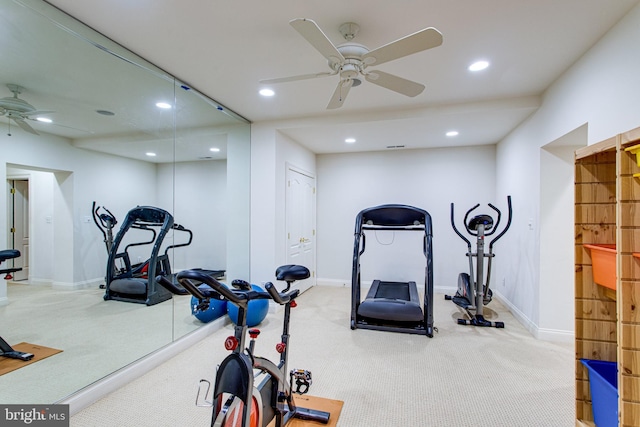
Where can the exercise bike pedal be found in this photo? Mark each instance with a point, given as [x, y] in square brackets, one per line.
[302, 380]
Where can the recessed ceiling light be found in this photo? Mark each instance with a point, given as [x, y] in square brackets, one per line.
[44, 120]
[214, 149]
[478, 65]
[150, 154]
[452, 133]
[163, 105]
[350, 140]
[267, 92]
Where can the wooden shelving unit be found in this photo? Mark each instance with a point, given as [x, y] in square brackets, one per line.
[607, 211]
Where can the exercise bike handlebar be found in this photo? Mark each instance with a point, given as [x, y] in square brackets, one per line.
[238, 297]
[283, 298]
[186, 278]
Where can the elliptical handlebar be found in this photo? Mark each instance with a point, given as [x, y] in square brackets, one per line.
[506, 227]
[453, 224]
[495, 227]
[466, 216]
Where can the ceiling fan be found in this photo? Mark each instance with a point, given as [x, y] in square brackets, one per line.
[351, 60]
[19, 110]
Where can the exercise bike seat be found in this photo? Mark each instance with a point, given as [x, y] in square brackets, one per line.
[480, 219]
[292, 272]
[9, 254]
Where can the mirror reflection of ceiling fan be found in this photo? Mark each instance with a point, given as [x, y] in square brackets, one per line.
[19, 110]
[351, 60]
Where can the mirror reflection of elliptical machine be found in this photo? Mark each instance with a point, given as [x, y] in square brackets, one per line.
[105, 221]
[474, 293]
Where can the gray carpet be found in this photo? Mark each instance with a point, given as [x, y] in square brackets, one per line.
[464, 376]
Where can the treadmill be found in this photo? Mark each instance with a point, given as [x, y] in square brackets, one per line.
[393, 306]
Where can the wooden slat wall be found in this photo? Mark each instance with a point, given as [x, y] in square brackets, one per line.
[629, 284]
[595, 222]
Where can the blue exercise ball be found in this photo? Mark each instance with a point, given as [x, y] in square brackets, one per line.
[256, 311]
[217, 308]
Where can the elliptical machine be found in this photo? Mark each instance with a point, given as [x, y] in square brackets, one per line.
[473, 294]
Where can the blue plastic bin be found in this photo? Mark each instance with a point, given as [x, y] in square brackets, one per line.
[603, 384]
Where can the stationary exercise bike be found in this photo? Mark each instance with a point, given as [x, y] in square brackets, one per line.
[473, 294]
[241, 398]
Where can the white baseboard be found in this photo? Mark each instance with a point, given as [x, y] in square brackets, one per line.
[72, 286]
[544, 334]
[94, 392]
[333, 282]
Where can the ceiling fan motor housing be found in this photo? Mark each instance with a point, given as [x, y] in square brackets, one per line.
[353, 64]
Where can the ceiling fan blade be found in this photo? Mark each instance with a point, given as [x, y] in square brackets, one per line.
[340, 94]
[25, 126]
[39, 112]
[394, 83]
[413, 43]
[294, 78]
[314, 35]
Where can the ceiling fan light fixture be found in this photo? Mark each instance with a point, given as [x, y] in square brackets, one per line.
[44, 120]
[478, 65]
[350, 140]
[267, 92]
[452, 133]
[163, 105]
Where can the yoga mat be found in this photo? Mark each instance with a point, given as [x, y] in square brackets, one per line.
[39, 352]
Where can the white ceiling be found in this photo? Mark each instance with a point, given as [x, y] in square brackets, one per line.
[224, 48]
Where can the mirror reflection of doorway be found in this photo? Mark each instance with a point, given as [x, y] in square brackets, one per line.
[18, 204]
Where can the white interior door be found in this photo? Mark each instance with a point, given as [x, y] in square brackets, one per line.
[19, 226]
[300, 222]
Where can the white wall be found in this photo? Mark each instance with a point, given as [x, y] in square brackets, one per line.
[112, 181]
[271, 152]
[199, 203]
[430, 179]
[601, 89]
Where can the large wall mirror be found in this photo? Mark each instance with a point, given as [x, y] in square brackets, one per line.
[107, 142]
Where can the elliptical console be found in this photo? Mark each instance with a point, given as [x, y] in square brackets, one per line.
[473, 294]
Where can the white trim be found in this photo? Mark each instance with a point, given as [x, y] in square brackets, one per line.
[539, 333]
[85, 284]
